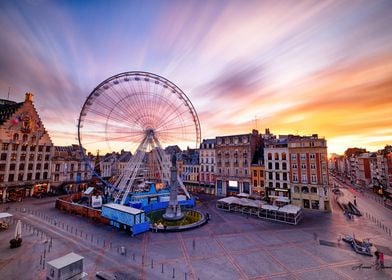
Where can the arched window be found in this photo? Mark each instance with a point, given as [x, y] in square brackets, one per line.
[313, 190]
[305, 189]
[269, 156]
[276, 156]
[296, 189]
[16, 137]
[25, 137]
[284, 156]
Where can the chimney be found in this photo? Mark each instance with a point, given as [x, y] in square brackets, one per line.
[29, 97]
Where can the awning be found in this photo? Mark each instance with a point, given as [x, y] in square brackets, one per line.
[5, 215]
[282, 199]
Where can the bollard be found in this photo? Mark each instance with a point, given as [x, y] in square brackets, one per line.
[91, 238]
[67, 227]
[104, 243]
[152, 263]
[173, 272]
[162, 269]
[86, 235]
[133, 255]
[40, 260]
[185, 275]
[142, 259]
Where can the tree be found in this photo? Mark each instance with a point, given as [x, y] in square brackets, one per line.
[354, 151]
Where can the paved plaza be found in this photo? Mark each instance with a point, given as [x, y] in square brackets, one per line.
[230, 246]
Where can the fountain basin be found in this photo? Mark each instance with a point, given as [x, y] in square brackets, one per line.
[192, 219]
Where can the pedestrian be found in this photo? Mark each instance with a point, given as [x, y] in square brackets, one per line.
[355, 200]
[193, 244]
[381, 259]
[377, 254]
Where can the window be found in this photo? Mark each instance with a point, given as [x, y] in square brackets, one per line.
[284, 166]
[314, 179]
[30, 167]
[303, 166]
[304, 178]
[15, 137]
[254, 173]
[293, 156]
[2, 167]
[57, 167]
[45, 175]
[40, 148]
[246, 171]
[13, 156]
[10, 177]
[20, 177]
[277, 176]
[261, 174]
[3, 156]
[32, 148]
[37, 175]
[25, 137]
[21, 167]
[22, 157]
[303, 156]
[24, 148]
[284, 156]
[277, 185]
[285, 185]
[38, 166]
[31, 157]
[284, 176]
[39, 157]
[276, 165]
[296, 189]
[305, 190]
[276, 156]
[312, 156]
[5, 146]
[295, 178]
[270, 175]
[29, 176]
[269, 156]
[313, 190]
[47, 148]
[15, 147]
[313, 166]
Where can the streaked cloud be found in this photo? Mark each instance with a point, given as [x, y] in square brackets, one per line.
[311, 67]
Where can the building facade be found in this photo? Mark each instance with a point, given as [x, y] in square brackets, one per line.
[309, 172]
[207, 166]
[234, 155]
[26, 151]
[69, 171]
[277, 170]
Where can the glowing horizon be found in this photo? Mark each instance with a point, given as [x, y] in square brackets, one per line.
[313, 67]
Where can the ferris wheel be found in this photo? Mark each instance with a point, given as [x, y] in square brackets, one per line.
[138, 112]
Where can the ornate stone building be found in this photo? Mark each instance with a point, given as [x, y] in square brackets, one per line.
[26, 151]
[234, 155]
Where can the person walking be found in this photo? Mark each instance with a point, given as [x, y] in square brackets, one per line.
[377, 254]
[355, 200]
[381, 259]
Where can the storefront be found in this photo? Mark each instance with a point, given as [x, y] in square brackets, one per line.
[40, 189]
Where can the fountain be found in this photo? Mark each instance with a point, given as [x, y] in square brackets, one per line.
[173, 211]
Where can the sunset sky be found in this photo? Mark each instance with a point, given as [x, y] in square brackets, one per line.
[298, 67]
